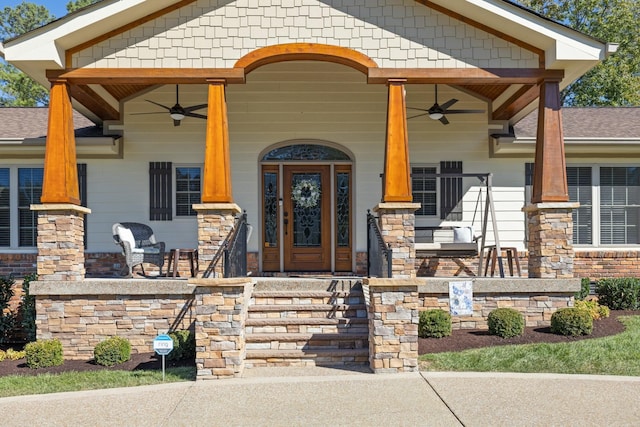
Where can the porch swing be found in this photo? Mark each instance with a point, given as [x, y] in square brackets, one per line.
[464, 243]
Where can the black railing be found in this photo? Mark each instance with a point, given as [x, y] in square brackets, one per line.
[379, 254]
[235, 249]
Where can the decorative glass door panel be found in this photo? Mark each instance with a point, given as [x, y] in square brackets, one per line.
[306, 218]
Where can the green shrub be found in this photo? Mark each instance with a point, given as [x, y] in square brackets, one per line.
[45, 353]
[28, 307]
[112, 351]
[595, 310]
[619, 294]
[571, 321]
[434, 324]
[7, 318]
[506, 322]
[184, 345]
[585, 289]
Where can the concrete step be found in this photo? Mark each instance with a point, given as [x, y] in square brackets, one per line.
[306, 294]
[283, 321]
[289, 337]
[308, 354]
[306, 307]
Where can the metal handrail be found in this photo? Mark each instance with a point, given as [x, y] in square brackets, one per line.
[379, 254]
[235, 249]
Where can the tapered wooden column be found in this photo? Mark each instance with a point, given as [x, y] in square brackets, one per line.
[397, 173]
[60, 183]
[216, 185]
[550, 173]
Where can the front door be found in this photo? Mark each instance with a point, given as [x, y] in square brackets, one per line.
[306, 218]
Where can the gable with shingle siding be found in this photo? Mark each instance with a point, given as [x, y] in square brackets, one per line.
[215, 34]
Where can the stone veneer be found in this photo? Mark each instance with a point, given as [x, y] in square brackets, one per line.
[550, 239]
[221, 313]
[60, 241]
[397, 225]
[215, 223]
[393, 325]
[82, 314]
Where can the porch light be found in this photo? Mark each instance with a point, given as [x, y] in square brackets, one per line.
[177, 116]
[436, 115]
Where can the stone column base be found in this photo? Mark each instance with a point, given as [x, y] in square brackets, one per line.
[550, 242]
[397, 225]
[215, 222]
[60, 242]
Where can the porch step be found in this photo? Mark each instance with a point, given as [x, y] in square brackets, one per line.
[307, 322]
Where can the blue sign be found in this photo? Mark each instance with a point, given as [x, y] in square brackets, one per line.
[163, 344]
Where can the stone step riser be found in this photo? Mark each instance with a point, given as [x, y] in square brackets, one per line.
[346, 300]
[308, 329]
[293, 314]
[299, 363]
[309, 345]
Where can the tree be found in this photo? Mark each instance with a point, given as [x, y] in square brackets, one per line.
[616, 81]
[72, 6]
[16, 88]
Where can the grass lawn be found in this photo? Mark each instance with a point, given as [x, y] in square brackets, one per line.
[614, 355]
[17, 385]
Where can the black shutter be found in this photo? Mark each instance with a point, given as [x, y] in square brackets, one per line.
[82, 189]
[451, 192]
[160, 191]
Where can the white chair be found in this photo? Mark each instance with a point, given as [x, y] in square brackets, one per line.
[138, 245]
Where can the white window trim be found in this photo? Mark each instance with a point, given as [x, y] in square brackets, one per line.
[174, 177]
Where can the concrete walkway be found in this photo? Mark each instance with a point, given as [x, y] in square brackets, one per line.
[322, 397]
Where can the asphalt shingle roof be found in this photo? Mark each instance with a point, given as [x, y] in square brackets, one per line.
[32, 122]
[589, 122]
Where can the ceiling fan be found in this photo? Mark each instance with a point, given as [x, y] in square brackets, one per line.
[178, 112]
[439, 112]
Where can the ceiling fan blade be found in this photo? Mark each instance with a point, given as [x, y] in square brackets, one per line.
[419, 115]
[194, 107]
[159, 105]
[465, 111]
[418, 109]
[448, 104]
[444, 120]
[196, 115]
[140, 114]
[176, 122]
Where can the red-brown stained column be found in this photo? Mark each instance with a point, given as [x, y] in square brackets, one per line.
[60, 184]
[216, 184]
[550, 173]
[397, 174]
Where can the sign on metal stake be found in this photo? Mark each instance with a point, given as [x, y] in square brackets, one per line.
[162, 345]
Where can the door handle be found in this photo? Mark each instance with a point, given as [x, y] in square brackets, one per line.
[286, 223]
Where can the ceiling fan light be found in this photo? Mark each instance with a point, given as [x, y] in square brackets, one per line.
[436, 115]
[177, 116]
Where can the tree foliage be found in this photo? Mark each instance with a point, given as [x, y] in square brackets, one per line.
[72, 6]
[16, 88]
[616, 81]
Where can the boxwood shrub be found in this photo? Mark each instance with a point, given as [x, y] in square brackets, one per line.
[184, 345]
[44, 353]
[506, 322]
[112, 351]
[571, 321]
[434, 323]
[619, 293]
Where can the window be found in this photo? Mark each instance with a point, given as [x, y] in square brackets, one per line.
[619, 204]
[21, 187]
[29, 192]
[609, 195]
[426, 185]
[187, 189]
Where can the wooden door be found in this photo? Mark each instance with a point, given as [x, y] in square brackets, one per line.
[306, 218]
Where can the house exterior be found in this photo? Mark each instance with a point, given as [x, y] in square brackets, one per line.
[295, 93]
[305, 115]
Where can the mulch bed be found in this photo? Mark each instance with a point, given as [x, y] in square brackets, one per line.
[459, 340]
[472, 338]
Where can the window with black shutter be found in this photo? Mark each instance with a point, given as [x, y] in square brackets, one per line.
[450, 191]
[160, 191]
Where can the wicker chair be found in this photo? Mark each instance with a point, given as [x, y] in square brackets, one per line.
[138, 245]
